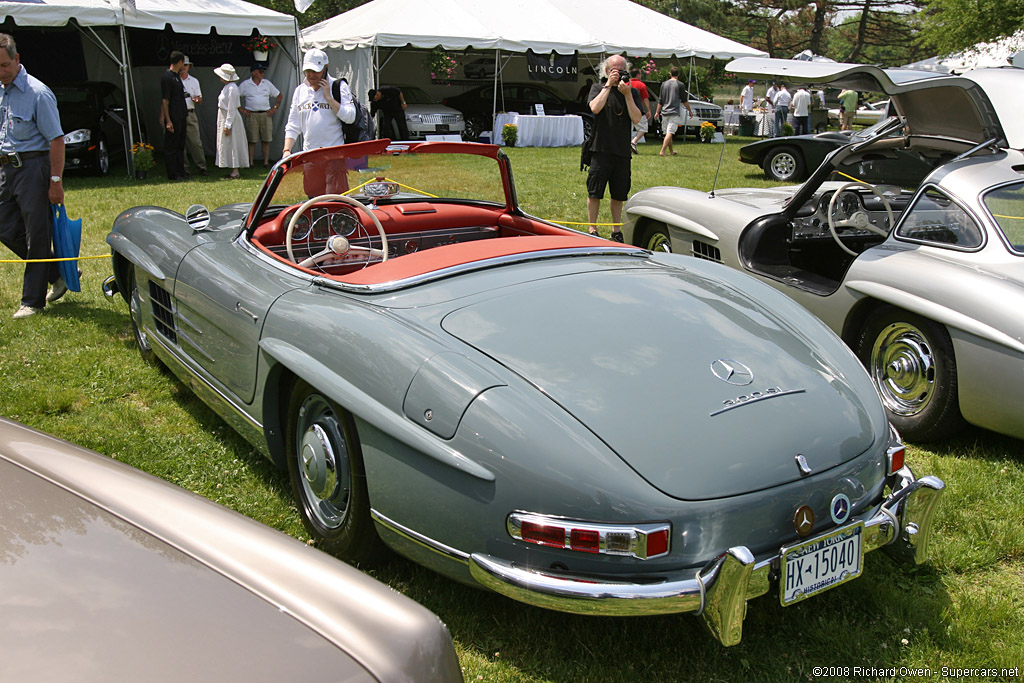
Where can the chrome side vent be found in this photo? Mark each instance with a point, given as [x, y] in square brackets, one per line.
[163, 312]
[706, 251]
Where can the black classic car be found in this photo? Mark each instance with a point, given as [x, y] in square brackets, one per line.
[792, 158]
[92, 115]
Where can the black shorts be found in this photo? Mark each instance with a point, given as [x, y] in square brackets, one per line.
[612, 171]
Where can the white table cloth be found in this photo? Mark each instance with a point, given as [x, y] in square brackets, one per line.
[542, 131]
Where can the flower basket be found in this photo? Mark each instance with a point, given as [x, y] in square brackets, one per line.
[441, 66]
[509, 134]
[707, 131]
[260, 47]
[142, 158]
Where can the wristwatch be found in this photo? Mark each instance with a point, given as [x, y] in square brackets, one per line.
[55, 179]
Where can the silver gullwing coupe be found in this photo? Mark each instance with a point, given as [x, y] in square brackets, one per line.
[925, 283]
[576, 424]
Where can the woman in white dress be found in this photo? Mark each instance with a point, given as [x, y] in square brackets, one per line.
[232, 145]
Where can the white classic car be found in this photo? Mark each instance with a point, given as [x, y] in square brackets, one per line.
[925, 283]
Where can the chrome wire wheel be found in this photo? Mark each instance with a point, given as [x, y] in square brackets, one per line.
[903, 367]
[323, 463]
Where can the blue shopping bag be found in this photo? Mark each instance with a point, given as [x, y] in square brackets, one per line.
[67, 241]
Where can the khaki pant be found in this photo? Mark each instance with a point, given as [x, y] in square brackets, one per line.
[193, 141]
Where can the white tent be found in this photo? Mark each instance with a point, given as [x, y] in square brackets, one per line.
[1004, 52]
[105, 25]
[563, 26]
[590, 27]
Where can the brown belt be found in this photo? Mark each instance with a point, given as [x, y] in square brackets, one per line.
[10, 158]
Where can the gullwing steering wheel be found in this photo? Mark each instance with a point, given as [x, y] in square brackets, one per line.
[859, 219]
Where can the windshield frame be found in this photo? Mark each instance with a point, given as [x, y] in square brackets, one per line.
[263, 206]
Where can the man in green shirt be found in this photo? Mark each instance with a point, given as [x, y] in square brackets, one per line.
[847, 108]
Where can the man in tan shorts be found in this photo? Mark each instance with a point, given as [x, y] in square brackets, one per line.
[260, 99]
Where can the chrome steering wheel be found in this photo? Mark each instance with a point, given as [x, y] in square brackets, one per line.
[859, 219]
[336, 244]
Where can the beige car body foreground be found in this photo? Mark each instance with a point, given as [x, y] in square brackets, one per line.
[110, 574]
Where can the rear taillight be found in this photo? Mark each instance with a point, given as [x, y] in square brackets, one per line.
[642, 541]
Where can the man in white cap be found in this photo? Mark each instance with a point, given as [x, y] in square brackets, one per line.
[314, 113]
[317, 116]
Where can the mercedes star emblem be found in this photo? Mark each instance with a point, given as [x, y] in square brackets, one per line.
[732, 371]
[840, 508]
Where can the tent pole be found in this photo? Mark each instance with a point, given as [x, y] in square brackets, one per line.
[494, 99]
[131, 102]
[122, 66]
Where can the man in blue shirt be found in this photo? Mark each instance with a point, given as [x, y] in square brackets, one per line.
[31, 161]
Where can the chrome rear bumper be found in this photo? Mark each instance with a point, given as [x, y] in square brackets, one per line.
[719, 590]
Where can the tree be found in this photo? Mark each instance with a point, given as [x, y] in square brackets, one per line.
[954, 25]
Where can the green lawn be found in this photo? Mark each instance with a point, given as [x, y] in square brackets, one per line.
[74, 372]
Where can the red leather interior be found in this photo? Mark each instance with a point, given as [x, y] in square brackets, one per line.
[517, 235]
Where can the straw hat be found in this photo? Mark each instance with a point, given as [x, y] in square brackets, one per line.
[226, 72]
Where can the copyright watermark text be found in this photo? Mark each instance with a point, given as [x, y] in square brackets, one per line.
[945, 672]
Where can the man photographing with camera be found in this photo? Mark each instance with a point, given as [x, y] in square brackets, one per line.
[616, 107]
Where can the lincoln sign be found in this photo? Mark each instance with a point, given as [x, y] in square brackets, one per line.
[551, 67]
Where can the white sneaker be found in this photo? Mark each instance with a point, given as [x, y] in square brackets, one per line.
[25, 312]
[58, 290]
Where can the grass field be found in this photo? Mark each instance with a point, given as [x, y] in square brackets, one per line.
[74, 372]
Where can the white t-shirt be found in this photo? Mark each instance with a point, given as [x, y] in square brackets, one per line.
[769, 97]
[782, 99]
[311, 116]
[747, 98]
[801, 103]
[192, 89]
[257, 97]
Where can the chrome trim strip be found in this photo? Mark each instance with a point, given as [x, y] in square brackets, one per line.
[416, 537]
[186, 373]
[462, 268]
[755, 399]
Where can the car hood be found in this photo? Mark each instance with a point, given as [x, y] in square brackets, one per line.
[422, 109]
[657, 387]
[980, 105]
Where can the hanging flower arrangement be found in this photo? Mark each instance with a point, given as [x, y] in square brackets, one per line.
[259, 43]
[441, 66]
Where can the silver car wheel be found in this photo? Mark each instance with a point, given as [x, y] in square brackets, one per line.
[102, 158]
[783, 165]
[323, 462]
[903, 368]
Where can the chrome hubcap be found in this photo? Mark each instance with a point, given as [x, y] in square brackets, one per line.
[903, 369]
[323, 459]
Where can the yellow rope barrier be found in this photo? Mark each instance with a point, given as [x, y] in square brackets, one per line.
[54, 260]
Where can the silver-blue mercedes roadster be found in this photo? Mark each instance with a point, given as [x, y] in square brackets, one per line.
[576, 424]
